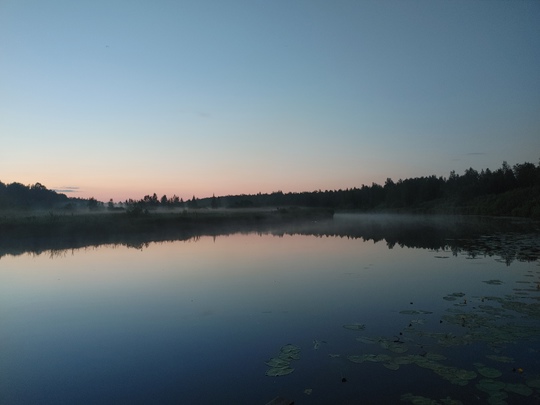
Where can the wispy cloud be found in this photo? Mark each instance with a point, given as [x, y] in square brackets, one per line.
[67, 189]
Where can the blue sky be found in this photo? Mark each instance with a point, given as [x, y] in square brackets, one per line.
[119, 99]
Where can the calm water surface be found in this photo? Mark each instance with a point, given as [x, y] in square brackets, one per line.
[193, 322]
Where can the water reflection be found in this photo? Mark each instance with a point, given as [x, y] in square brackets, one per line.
[508, 239]
[198, 320]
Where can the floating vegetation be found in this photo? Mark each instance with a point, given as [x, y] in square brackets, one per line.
[489, 372]
[453, 296]
[376, 358]
[367, 340]
[278, 371]
[280, 365]
[533, 382]
[434, 356]
[488, 385]
[277, 362]
[500, 359]
[520, 389]
[391, 366]
[393, 346]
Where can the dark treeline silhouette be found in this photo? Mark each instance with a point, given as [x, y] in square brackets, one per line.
[507, 191]
[17, 196]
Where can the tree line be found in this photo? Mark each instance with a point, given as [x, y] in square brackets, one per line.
[504, 191]
[17, 196]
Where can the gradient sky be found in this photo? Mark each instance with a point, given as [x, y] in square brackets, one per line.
[118, 99]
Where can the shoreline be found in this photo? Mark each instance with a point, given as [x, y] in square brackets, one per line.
[38, 233]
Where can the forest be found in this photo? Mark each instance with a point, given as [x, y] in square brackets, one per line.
[506, 191]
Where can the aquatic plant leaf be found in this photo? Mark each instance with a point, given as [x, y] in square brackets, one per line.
[498, 398]
[391, 366]
[394, 346]
[489, 372]
[404, 359]
[367, 340]
[289, 356]
[279, 371]
[376, 358]
[500, 359]
[520, 389]
[465, 374]
[277, 362]
[379, 358]
[435, 356]
[356, 358]
[533, 382]
[489, 385]
[289, 349]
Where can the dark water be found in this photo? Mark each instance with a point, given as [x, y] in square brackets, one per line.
[193, 322]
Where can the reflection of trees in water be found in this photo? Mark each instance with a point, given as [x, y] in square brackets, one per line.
[505, 239]
[508, 239]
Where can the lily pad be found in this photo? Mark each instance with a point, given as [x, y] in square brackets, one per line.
[404, 359]
[376, 358]
[534, 382]
[520, 389]
[500, 359]
[391, 366]
[289, 349]
[435, 356]
[277, 362]
[278, 371]
[356, 358]
[489, 372]
[289, 356]
[367, 340]
[489, 386]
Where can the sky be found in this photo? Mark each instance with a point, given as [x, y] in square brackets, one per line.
[120, 99]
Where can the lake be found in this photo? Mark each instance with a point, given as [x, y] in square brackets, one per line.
[356, 310]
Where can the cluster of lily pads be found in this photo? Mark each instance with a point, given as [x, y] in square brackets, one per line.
[281, 364]
[493, 320]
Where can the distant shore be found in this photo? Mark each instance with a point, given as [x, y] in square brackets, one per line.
[29, 231]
